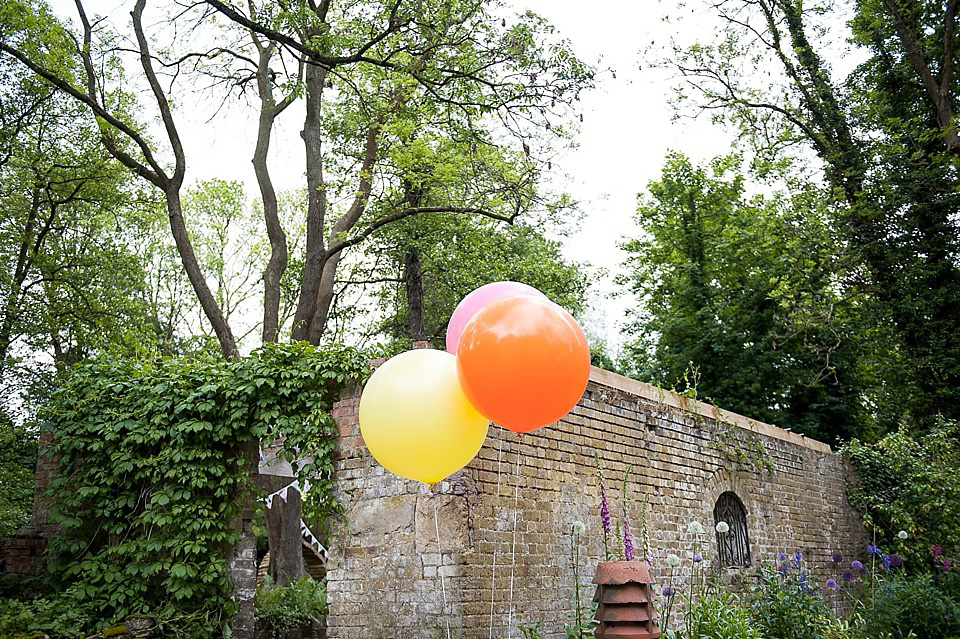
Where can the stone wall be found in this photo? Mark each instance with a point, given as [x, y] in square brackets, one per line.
[504, 523]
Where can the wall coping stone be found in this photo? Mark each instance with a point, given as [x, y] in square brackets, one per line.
[603, 377]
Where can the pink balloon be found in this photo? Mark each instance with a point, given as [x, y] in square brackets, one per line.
[476, 301]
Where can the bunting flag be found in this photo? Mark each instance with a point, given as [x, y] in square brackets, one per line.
[307, 534]
[311, 539]
[282, 493]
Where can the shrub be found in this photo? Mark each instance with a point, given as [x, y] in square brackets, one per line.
[783, 605]
[149, 476]
[910, 482]
[299, 604]
[18, 458]
[59, 615]
[905, 605]
[720, 616]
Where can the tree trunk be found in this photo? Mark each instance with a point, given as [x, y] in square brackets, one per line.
[285, 539]
[314, 77]
[24, 261]
[277, 264]
[937, 91]
[413, 281]
[189, 260]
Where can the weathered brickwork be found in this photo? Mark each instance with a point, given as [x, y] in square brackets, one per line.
[23, 552]
[504, 522]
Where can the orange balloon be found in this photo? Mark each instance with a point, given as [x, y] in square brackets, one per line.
[523, 362]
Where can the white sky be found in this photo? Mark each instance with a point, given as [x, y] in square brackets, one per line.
[628, 126]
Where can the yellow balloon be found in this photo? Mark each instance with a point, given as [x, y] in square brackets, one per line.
[415, 419]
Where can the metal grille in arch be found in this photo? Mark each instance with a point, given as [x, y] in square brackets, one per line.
[734, 545]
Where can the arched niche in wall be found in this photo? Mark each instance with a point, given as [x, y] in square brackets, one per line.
[733, 545]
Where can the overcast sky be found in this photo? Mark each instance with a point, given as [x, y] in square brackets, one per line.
[628, 125]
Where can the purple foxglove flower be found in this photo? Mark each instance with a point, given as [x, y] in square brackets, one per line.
[605, 511]
[627, 542]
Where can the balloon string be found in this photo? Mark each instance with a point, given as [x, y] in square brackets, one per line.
[493, 578]
[443, 588]
[513, 556]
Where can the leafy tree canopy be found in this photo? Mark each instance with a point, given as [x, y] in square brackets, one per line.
[740, 289]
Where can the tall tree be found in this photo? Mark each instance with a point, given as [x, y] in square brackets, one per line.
[427, 264]
[734, 300]
[884, 147]
[83, 68]
[71, 284]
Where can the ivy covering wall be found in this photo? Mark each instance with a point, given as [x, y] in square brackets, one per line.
[150, 477]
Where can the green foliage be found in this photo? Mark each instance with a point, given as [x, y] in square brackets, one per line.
[455, 255]
[912, 606]
[784, 605]
[18, 458]
[296, 605]
[741, 287]
[720, 616]
[909, 481]
[879, 141]
[150, 478]
[57, 615]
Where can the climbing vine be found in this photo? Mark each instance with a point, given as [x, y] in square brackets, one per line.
[150, 475]
[741, 449]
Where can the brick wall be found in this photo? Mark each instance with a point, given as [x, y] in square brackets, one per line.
[504, 522]
[23, 552]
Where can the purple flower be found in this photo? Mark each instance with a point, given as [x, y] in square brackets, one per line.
[697, 559]
[627, 542]
[668, 591]
[797, 558]
[936, 550]
[783, 557]
[847, 575]
[784, 569]
[895, 560]
[886, 562]
[832, 584]
[856, 565]
[837, 558]
[605, 511]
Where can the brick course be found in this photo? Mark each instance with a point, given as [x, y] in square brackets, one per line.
[505, 521]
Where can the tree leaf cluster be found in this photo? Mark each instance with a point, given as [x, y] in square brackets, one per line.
[741, 289]
[910, 481]
[454, 256]
[18, 458]
[881, 145]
